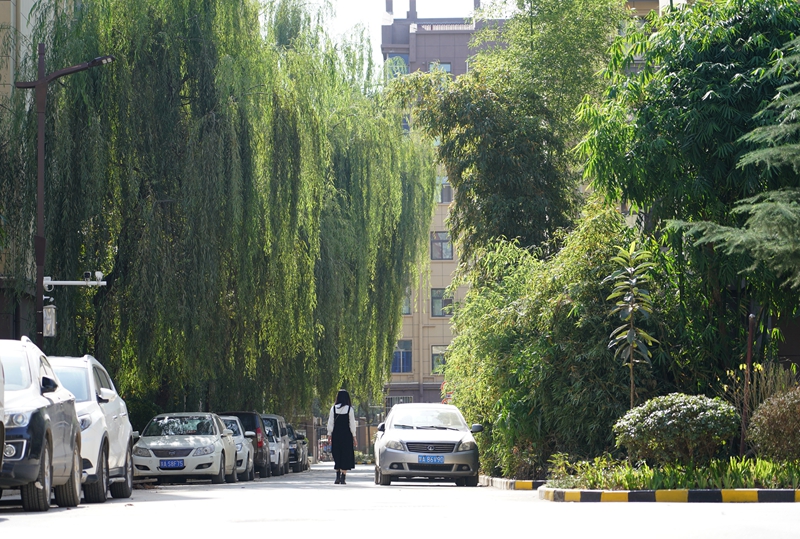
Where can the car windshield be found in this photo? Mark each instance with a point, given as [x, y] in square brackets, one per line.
[428, 418]
[76, 379]
[233, 425]
[179, 426]
[17, 371]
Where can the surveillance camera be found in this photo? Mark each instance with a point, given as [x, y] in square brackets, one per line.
[98, 275]
[87, 276]
[48, 287]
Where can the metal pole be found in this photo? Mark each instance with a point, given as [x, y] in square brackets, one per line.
[40, 87]
[746, 405]
[40, 242]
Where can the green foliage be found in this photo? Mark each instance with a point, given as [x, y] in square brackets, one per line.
[668, 138]
[245, 188]
[495, 140]
[766, 380]
[633, 302]
[677, 428]
[774, 429]
[529, 360]
[605, 473]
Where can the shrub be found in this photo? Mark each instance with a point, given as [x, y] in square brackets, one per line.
[774, 429]
[677, 428]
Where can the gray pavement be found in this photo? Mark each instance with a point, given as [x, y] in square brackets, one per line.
[309, 503]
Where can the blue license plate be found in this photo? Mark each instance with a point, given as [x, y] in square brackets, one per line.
[430, 459]
[170, 464]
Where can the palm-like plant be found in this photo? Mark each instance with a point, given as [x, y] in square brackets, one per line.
[633, 303]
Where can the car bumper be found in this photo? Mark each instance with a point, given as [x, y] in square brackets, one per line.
[23, 467]
[206, 465]
[405, 464]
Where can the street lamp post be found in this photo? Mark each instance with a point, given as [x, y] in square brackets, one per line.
[40, 86]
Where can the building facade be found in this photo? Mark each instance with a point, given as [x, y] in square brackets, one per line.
[425, 44]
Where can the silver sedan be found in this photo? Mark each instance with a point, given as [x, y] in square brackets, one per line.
[431, 441]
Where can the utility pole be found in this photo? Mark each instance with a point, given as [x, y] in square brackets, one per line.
[40, 87]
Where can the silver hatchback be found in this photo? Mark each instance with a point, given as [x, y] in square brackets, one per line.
[431, 441]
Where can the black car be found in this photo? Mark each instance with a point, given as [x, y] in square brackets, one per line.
[43, 434]
[251, 421]
[298, 450]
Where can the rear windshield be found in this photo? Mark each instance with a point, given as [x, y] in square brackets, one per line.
[179, 426]
[17, 371]
[76, 380]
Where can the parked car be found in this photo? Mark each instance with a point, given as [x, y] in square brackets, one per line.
[106, 432]
[274, 449]
[278, 425]
[426, 440]
[245, 468]
[251, 421]
[298, 450]
[43, 434]
[186, 445]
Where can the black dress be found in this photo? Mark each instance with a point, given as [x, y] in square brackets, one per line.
[342, 443]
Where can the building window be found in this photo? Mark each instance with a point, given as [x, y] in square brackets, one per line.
[444, 192]
[397, 67]
[440, 305]
[441, 248]
[440, 66]
[437, 358]
[401, 362]
[407, 302]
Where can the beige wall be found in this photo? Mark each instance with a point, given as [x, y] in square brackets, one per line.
[14, 15]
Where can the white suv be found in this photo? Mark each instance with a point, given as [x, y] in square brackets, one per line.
[106, 432]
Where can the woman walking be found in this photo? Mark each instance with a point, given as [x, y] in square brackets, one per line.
[342, 433]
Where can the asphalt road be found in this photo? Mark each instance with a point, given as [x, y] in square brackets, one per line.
[309, 504]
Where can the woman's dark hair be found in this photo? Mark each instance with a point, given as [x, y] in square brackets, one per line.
[343, 397]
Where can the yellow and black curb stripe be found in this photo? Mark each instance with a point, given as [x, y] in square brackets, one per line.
[745, 495]
[508, 484]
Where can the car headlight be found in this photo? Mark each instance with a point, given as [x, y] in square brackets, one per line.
[17, 419]
[207, 450]
[86, 421]
[239, 447]
[140, 451]
[467, 445]
[394, 444]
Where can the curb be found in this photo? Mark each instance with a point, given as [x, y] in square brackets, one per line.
[508, 484]
[744, 495]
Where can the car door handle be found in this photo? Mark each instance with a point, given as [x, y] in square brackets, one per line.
[116, 417]
[123, 414]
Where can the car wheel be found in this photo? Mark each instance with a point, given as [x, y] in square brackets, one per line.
[471, 481]
[232, 478]
[69, 494]
[296, 467]
[460, 482]
[280, 470]
[124, 489]
[36, 494]
[220, 477]
[96, 492]
[384, 480]
[286, 468]
[377, 481]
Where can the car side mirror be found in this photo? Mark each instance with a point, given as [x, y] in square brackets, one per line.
[135, 435]
[382, 427]
[106, 395]
[48, 385]
[249, 434]
[227, 432]
[283, 431]
[476, 428]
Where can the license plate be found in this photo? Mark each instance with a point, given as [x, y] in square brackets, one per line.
[430, 459]
[171, 464]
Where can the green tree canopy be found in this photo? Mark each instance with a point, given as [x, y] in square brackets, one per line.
[244, 186]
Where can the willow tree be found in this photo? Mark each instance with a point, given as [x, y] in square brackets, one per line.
[222, 171]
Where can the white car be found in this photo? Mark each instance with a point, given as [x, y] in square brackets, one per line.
[278, 425]
[186, 444]
[106, 432]
[245, 467]
[431, 441]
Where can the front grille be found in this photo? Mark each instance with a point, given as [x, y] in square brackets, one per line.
[416, 447]
[169, 453]
[430, 467]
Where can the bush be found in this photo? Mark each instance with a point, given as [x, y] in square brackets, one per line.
[677, 428]
[774, 429]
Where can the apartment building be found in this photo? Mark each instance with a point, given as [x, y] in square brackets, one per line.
[425, 44]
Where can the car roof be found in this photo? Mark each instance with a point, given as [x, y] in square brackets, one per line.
[73, 361]
[427, 405]
[185, 414]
